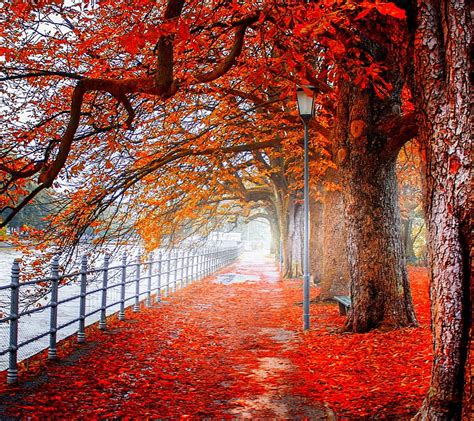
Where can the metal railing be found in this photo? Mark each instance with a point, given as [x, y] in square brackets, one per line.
[135, 282]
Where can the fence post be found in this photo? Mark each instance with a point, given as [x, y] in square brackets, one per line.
[12, 372]
[105, 280]
[171, 268]
[189, 267]
[202, 272]
[180, 274]
[175, 278]
[168, 272]
[181, 277]
[193, 265]
[197, 253]
[148, 293]
[211, 256]
[158, 280]
[121, 315]
[198, 264]
[53, 319]
[208, 260]
[176, 275]
[181, 254]
[214, 260]
[136, 306]
[81, 334]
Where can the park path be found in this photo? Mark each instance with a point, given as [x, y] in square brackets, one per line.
[214, 350]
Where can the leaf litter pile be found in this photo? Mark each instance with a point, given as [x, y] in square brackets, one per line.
[233, 350]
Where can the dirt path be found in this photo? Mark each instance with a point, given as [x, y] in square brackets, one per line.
[216, 350]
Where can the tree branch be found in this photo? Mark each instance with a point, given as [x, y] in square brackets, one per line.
[398, 130]
[164, 78]
[42, 73]
[229, 61]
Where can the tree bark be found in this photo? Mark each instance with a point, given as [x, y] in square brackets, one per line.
[296, 237]
[291, 229]
[275, 243]
[407, 239]
[316, 237]
[443, 100]
[380, 291]
[335, 276]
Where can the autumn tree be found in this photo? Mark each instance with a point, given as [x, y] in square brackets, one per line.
[162, 37]
[365, 81]
[443, 37]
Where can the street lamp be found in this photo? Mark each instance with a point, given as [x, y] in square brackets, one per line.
[306, 110]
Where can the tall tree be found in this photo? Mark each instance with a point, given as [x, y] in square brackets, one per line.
[444, 100]
[369, 131]
[379, 285]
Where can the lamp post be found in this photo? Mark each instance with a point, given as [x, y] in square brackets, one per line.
[306, 109]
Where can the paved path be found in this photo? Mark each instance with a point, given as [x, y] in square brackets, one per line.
[214, 350]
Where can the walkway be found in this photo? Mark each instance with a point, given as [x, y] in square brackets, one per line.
[214, 350]
[232, 347]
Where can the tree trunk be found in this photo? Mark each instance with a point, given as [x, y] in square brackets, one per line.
[316, 238]
[335, 270]
[380, 291]
[296, 232]
[275, 243]
[442, 66]
[407, 239]
[291, 228]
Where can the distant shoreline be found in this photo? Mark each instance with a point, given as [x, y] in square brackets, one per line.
[6, 245]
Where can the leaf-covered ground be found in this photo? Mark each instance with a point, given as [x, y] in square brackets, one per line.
[233, 350]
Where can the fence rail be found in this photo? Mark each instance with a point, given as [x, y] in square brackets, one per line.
[136, 282]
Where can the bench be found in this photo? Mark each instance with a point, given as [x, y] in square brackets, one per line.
[344, 302]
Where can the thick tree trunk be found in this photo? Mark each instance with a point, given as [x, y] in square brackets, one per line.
[316, 238]
[407, 239]
[379, 286]
[296, 238]
[335, 278]
[275, 242]
[291, 228]
[443, 100]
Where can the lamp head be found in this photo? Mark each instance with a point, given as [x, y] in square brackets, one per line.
[305, 101]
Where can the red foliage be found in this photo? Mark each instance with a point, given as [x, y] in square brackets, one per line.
[374, 375]
[207, 355]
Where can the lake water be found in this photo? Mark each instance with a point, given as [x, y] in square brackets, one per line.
[7, 255]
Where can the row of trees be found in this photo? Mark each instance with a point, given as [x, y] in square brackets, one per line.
[168, 116]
